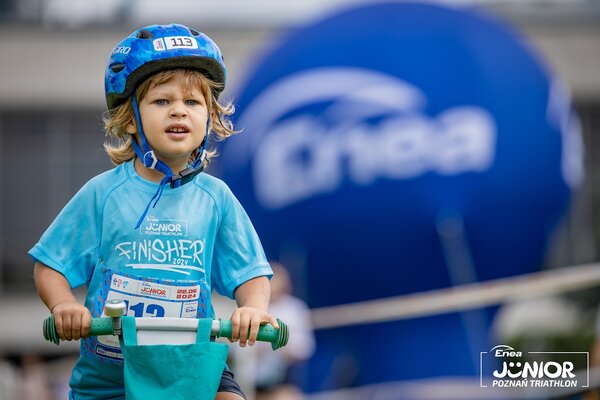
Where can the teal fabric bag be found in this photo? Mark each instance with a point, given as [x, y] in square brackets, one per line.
[159, 372]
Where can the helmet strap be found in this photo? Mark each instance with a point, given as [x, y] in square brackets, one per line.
[146, 153]
[188, 174]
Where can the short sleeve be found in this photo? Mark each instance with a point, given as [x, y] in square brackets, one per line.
[70, 244]
[238, 255]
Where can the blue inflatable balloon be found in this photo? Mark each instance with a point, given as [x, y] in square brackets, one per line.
[395, 148]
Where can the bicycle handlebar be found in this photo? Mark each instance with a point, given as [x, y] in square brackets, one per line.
[104, 326]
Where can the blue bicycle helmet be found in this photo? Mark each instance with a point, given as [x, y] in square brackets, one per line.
[150, 50]
[156, 48]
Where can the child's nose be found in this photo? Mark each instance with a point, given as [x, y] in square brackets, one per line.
[178, 110]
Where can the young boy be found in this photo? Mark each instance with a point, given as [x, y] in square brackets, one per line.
[155, 231]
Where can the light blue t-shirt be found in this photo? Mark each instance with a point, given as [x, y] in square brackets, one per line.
[197, 238]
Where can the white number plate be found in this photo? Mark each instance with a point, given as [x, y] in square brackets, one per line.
[151, 299]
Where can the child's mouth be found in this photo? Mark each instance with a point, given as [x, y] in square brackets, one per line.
[177, 131]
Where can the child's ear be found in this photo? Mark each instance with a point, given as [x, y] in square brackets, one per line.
[131, 128]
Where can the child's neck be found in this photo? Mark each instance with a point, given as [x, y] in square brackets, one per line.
[153, 175]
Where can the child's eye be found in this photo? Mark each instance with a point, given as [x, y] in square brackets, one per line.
[192, 102]
[160, 102]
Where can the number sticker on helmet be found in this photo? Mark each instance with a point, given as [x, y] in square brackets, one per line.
[175, 42]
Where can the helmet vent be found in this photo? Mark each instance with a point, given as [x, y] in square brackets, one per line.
[194, 32]
[144, 34]
[117, 67]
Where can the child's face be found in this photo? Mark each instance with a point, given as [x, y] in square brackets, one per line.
[174, 119]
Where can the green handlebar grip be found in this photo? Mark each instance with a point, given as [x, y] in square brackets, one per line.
[99, 326]
[266, 333]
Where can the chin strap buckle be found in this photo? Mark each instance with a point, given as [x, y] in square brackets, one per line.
[188, 174]
[185, 176]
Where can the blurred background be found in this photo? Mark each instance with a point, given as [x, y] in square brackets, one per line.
[509, 190]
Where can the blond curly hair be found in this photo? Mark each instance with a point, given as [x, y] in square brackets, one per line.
[120, 149]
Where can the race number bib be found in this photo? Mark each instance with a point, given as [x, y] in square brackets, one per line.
[146, 297]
